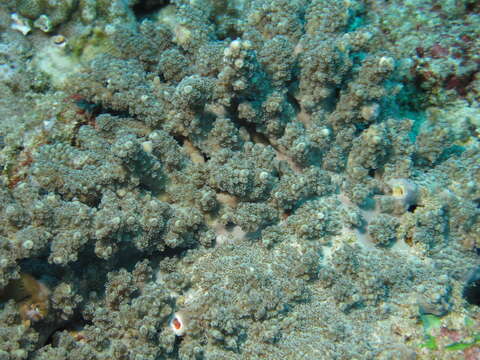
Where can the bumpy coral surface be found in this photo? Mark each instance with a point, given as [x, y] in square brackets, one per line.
[246, 179]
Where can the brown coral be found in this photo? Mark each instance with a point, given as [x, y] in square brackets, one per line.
[31, 295]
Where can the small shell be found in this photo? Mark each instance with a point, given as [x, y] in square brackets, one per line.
[177, 324]
[404, 191]
[59, 40]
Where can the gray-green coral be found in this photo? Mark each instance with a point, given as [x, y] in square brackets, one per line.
[292, 179]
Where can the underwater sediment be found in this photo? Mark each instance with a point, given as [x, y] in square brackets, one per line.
[245, 179]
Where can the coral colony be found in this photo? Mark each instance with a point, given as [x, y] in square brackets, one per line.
[242, 179]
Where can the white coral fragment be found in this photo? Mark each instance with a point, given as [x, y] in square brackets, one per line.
[20, 24]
